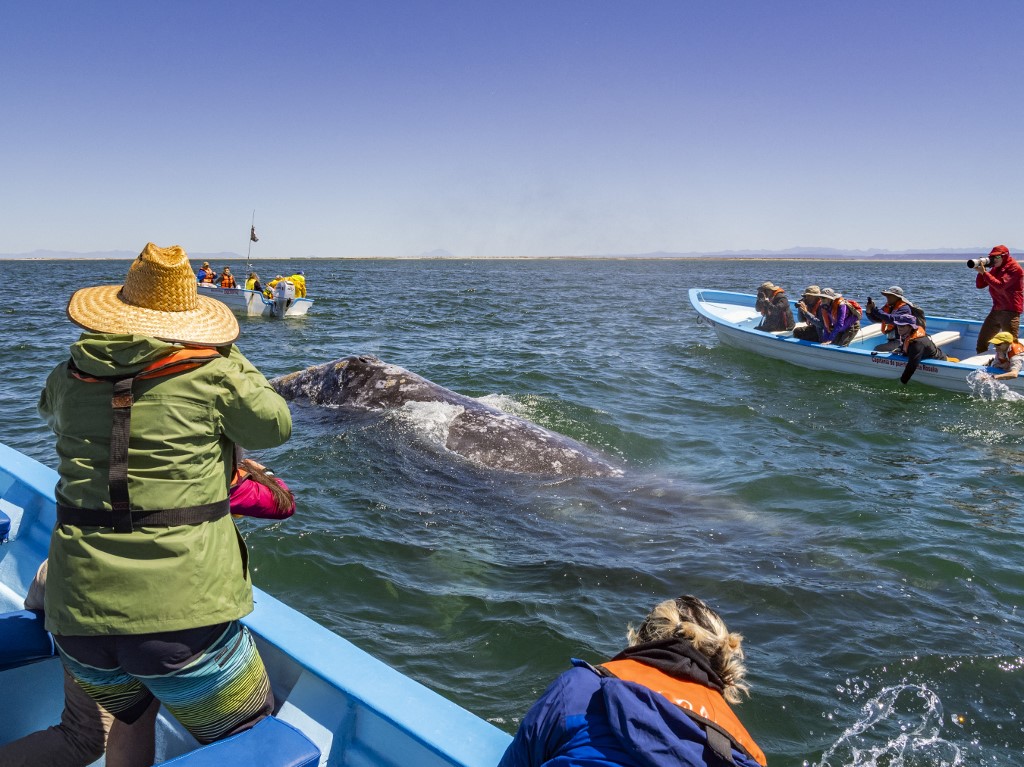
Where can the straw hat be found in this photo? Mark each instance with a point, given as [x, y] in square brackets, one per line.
[159, 298]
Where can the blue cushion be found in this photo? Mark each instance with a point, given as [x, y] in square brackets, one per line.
[271, 743]
[23, 639]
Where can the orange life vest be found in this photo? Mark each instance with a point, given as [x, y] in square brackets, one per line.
[227, 281]
[918, 333]
[208, 277]
[888, 327]
[1015, 348]
[701, 703]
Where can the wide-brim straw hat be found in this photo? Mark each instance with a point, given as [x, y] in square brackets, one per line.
[160, 299]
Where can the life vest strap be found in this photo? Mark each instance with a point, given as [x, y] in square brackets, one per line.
[125, 521]
[121, 517]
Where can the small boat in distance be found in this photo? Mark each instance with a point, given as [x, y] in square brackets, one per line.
[733, 317]
[335, 704]
[252, 303]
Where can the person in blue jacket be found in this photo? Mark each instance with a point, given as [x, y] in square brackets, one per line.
[662, 701]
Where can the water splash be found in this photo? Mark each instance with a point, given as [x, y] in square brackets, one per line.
[984, 386]
[899, 727]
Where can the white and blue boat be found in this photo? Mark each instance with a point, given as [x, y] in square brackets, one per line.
[336, 705]
[252, 303]
[734, 319]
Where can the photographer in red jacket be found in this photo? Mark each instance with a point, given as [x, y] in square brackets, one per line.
[1004, 279]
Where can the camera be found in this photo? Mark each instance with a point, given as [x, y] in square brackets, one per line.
[974, 263]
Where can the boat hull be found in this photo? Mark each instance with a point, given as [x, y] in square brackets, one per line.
[252, 303]
[355, 708]
[733, 318]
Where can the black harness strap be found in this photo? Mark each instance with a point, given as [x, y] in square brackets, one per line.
[126, 523]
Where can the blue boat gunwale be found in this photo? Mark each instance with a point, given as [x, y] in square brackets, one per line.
[438, 725]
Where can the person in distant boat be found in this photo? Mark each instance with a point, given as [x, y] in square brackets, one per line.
[809, 307]
[1004, 279]
[226, 279]
[774, 307]
[253, 283]
[915, 345]
[148, 577]
[206, 274]
[299, 281]
[895, 304]
[664, 700]
[1009, 355]
[841, 322]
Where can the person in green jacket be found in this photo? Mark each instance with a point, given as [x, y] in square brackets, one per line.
[148, 576]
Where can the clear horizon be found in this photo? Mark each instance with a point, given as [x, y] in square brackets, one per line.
[574, 128]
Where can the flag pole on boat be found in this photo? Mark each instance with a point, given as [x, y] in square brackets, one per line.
[252, 238]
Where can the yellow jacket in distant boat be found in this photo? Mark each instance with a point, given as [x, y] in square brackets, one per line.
[300, 285]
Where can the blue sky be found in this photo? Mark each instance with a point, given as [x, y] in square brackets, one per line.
[510, 128]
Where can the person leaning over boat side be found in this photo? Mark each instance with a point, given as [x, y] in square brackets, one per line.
[1005, 283]
[226, 279]
[809, 307]
[773, 306]
[638, 709]
[253, 283]
[87, 730]
[148, 575]
[1009, 355]
[841, 322]
[299, 281]
[895, 303]
[915, 345]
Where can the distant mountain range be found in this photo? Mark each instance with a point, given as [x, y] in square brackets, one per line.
[933, 254]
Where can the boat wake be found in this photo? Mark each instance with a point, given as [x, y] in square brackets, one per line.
[899, 726]
[984, 386]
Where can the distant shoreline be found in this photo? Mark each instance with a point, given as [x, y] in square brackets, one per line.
[774, 259]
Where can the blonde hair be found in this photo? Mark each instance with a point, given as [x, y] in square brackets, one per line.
[690, 618]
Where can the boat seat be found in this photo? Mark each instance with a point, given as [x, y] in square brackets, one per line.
[271, 743]
[979, 360]
[945, 338]
[868, 331]
[23, 639]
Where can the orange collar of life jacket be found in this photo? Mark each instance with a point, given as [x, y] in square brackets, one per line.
[701, 703]
[918, 333]
[177, 361]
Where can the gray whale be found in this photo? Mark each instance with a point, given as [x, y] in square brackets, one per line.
[478, 432]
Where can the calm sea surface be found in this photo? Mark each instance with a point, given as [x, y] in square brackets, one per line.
[865, 538]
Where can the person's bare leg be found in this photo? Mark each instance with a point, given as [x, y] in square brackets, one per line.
[134, 745]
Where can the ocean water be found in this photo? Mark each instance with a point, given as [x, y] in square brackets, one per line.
[864, 537]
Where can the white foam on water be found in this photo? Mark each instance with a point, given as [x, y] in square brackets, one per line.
[505, 404]
[899, 727]
[430, 420]
[984, 386]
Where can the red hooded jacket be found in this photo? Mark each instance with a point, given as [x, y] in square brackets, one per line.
[1006, 285]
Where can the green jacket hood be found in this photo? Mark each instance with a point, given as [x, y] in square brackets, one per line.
[107, 354]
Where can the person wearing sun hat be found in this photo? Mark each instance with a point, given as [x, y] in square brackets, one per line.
[809, 307]
[1009, 355]
[914, 344]
[148, 577]
[1004, 279]
[773, 305]
[206, 274]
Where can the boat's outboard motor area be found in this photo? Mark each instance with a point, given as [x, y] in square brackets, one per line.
[284, 294]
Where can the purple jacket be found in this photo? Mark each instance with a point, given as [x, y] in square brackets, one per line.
[844, 321]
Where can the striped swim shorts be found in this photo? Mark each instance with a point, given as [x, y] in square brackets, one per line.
[211, 679]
